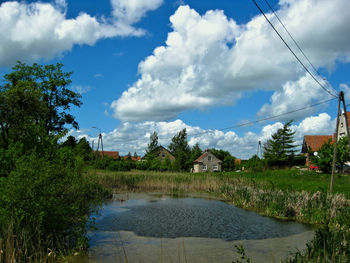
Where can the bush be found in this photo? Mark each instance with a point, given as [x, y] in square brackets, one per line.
[45, 202]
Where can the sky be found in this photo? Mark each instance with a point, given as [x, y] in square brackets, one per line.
[208, 66]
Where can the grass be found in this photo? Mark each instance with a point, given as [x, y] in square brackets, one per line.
[296, 180]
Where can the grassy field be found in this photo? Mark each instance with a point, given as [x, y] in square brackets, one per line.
[289, 194]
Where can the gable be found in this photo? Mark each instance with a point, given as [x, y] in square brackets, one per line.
[207, 157]
[314, 142]
[164, 153]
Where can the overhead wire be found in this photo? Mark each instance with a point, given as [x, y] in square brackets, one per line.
[296, 43]
[290, 49]
[248, 123]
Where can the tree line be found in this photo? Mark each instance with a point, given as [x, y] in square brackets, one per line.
[178, 147]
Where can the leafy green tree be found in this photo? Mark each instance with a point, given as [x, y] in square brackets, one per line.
[152, 147]
[280, 149]
[70, 142]
[195, 152]
[324, 157]
[35, 100]
[179, 147]
[83, 149]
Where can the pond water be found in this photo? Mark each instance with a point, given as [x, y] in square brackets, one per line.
[159, 228]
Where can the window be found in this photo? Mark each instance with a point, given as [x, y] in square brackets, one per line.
[341, 125]
[215, 167]
[204, 168]
[209, 158]
[163, 155]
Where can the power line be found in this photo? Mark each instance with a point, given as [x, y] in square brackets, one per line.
[295, 42]
[270, 117]
[307, 70]
[248, 123]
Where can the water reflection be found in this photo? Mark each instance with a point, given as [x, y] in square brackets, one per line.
[156, 228]
[191, 217]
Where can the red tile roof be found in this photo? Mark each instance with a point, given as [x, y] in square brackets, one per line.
[315, 142]
[138, 158]
[113, 154]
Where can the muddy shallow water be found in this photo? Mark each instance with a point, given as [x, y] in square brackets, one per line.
[158, 228]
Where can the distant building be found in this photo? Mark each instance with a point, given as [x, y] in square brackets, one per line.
[112, 154]
[163, 153]
[342, 125]
[132, 158]
[207, 162]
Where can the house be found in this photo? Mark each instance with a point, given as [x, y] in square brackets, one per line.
[112, 154]
[163, 153]
[342, 125]
[314, 143]
[207, 162]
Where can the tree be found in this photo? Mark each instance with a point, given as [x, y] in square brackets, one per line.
[35, 101]
[280, 149]
[179, 147]
[324, 157]
[70, 142]
[195, 152]
[153, 145]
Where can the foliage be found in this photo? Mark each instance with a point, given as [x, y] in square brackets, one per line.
[180, 149]
[34, 102]
[254, 164]
[243, 256]
[279, 150]
[324, 158]
[44, 197]
[152, 146]
[228, 161]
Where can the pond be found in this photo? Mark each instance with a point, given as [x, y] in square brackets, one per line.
[159, 228]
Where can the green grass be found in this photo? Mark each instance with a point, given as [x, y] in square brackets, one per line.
[296, 180]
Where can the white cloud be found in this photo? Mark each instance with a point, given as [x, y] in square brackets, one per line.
[37, 30]
[134, 137]
[295, 95]
[81, 89]
[209, 60]
[346, 89]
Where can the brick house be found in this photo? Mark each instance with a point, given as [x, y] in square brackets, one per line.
[207, 162]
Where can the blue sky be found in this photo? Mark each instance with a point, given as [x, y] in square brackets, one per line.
[159, 65]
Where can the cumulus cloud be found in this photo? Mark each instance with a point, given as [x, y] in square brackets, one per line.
[30, 31]
[210, 60]
[294, 95]
[134, 137]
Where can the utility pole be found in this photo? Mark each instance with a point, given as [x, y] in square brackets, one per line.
[98, 142]
[257, 152]
[340, 100]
